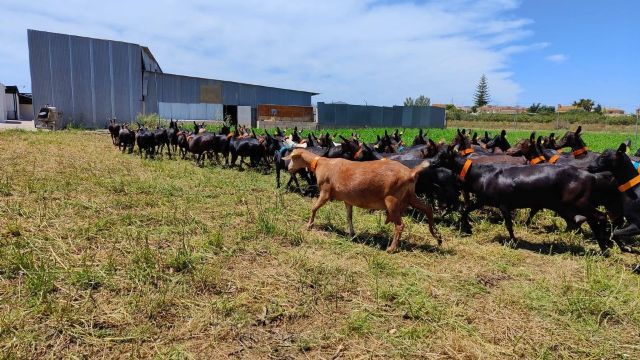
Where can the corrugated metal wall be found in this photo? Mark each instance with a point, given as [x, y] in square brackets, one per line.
[3, 109]
[178, 89]
[89, 80]
[92, 80]
[354, 116]
[252, 95]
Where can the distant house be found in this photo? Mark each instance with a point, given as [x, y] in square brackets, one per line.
[612, 111]
[492, 109]
[459, 107]
[565, 108]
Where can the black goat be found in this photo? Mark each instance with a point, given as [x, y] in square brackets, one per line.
[126, 139]
[114, 130]
[146, 142]
[563, 189]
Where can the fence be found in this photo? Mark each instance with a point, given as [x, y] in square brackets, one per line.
[355, 116]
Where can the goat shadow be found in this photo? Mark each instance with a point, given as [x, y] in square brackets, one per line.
[381, 241]
[545, 248]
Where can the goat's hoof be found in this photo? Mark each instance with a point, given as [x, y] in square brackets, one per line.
[391, 250]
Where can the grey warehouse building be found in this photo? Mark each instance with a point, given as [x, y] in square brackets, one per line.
[93, 80]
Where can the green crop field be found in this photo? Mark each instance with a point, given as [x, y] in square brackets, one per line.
[107, 255]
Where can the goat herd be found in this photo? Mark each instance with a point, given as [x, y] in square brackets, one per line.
[461, 176]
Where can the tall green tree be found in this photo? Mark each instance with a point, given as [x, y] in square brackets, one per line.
[419, 101]
[586, 104]
[482, 97]
[422, 101]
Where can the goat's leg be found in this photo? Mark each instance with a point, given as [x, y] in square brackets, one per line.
[532, 213]
[277, 176]
[349, 208]
[508, 221]
[597, 228]
[427, 210]
[169, 150]
[628, 231]
[397, 233]
[324, 197]
[465, 224]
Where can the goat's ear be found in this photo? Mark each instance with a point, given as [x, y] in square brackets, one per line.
[552, 135]
[459, 133]
[539, 141]
[378, 137]
[431, 143]
[579, 130]
[533, 136]
[622, 148]
[420, 132]
[503, 133]
[475, 136]
[464, 131]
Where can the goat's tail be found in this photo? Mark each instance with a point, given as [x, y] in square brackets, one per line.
[420, 168]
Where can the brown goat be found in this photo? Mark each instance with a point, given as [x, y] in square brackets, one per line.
[379, 185]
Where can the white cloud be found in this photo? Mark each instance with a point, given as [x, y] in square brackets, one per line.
[350, 50]
[557, 58]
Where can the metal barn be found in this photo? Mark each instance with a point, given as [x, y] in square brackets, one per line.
[92, 80]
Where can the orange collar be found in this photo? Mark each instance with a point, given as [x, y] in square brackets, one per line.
[314, 164]
[629, 184]
[537, 160]
[554, 159]
[580, 151]
[466, 151]
[465, 169]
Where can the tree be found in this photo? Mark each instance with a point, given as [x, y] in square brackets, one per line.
[537, 108]
[534, 108]
[482, 97]
[586, 104]
[546, 109]
[419, 101]
[598, 109]
[422, 101]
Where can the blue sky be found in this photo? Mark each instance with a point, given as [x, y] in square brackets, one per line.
[599, 44]
[373, 51]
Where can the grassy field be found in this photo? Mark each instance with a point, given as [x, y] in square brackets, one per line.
[107, 255]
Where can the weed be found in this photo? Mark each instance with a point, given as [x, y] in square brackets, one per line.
[359, 323]
[87, 278]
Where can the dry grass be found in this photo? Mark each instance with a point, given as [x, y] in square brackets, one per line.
[108, 255]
